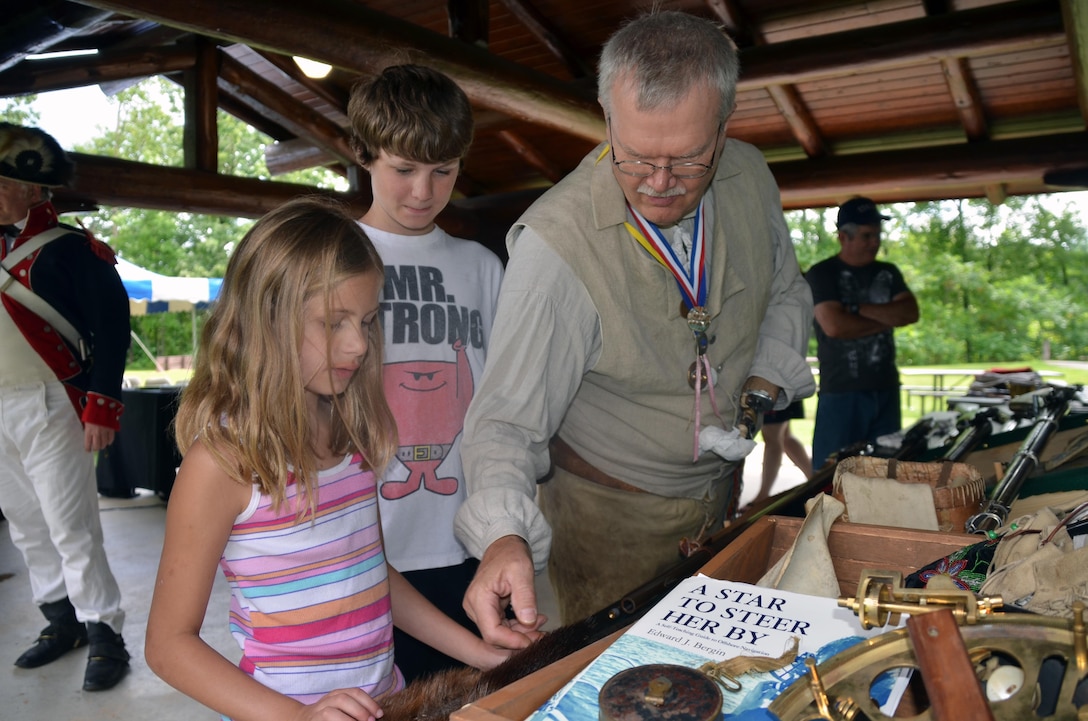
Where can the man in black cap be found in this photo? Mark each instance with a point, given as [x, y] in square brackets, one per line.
[64, 335]
[859, 301]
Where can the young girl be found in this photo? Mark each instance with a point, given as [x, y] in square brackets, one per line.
[283, 429]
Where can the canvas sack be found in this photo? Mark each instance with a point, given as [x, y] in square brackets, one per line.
[927, 496]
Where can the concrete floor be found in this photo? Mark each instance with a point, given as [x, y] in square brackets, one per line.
[133, 531]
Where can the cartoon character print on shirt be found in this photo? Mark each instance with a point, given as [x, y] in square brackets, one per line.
[429, 400]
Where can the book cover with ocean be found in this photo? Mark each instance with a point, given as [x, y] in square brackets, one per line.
[709, 620]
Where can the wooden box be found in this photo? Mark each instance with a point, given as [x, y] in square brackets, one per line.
[854, 548]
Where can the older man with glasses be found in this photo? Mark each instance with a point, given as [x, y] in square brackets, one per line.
[648, 296]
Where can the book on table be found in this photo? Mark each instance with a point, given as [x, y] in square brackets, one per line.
[737, 627]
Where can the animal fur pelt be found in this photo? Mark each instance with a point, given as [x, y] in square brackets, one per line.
[434, 698]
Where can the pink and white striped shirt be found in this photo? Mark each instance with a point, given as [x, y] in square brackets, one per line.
[310, 602]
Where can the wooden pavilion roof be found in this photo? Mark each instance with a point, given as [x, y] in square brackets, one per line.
[897, 99]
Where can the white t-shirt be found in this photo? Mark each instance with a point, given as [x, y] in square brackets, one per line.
[437, 308]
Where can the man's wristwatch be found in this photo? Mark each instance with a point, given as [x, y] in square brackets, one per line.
[852, 308]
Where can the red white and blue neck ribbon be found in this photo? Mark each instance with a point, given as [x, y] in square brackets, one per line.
[693, 286]
[690, 279]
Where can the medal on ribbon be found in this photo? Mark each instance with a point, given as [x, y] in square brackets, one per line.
[691, 279]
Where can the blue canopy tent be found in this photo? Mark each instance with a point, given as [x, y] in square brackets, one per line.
[151, 292]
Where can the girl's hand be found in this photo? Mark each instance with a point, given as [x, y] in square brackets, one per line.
[344, 704]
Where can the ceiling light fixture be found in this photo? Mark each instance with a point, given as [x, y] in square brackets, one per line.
[312, 68]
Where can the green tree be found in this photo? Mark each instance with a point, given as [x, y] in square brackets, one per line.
[994, 283]
[150, 129]
[20, 110]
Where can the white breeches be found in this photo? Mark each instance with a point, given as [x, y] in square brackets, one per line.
[49, 495]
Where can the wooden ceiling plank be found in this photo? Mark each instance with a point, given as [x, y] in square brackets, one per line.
[544, 31]
[966, 97]
[352, 37]
[1075, 18]
[41, 76]
[288, 112]
[979, 31]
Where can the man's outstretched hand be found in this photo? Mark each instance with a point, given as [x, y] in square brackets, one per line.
[505, 579]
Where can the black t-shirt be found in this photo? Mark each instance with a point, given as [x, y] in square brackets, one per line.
[856, 364]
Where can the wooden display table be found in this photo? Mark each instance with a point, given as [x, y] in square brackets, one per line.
[854, 547]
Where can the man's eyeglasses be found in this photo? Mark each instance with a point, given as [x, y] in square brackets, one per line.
[642, 169]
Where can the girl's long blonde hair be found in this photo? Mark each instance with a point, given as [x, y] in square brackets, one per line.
[246, 399]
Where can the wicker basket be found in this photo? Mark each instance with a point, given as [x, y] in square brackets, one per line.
[958, 489]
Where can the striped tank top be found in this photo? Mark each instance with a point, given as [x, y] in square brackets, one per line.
[310, 600]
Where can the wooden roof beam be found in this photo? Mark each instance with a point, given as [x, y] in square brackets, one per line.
[41, 76]
[785, 97]
[966, 97]
[230, 103]
[352, 37]
[885, 176]
[328, 92]
[535, 22]
[1075, 19]
[287, 156]
[297, 117]
[110, 181]
[469, 21]
[531, 155]
[128, 184]
[923, 172]
[201, 101]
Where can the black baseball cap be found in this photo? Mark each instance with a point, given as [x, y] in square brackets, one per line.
[861, 211]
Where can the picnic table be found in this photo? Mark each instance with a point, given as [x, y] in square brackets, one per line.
[946, 383]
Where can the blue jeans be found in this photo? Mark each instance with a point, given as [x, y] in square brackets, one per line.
[845, 419]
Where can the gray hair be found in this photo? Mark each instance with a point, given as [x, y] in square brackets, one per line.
[664, 55]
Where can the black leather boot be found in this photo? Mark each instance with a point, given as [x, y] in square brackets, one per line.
[107, 659]
[63, 634]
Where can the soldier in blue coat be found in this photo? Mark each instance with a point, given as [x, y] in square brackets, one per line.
[64, 335]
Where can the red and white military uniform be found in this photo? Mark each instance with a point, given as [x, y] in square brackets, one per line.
[48, 391]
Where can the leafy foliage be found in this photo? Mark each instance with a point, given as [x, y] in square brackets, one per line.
[993, 282]
[149, 129]
[20, 110]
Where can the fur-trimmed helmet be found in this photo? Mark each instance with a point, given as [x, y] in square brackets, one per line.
[31, 155]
